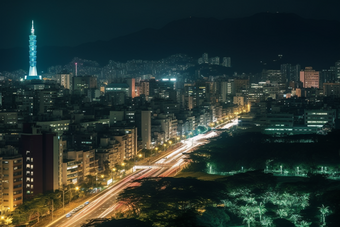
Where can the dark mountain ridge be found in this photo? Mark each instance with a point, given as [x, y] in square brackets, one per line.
[248, 41]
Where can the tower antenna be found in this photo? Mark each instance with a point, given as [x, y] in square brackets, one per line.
[32, 29]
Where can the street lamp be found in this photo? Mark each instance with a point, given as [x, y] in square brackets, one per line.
[164, 146]
[156, 148]
[76, 188]
[140, 155]
[113, 170]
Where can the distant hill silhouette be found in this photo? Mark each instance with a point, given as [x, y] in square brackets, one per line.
[247, 41]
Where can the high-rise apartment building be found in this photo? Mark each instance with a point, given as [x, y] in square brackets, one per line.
[205, 58]
[131, 82]
[146, 129]
[337, 70]
[331, 89]
[290, 72]
[145, 89]
[64, 79]
[223, 90]
[215, 60]
[309, 78]
[226, 62]
[80, 84]
[11, 179]
[41, 161]
[273, 76]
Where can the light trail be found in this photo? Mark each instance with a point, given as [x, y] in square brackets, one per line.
[163, 167]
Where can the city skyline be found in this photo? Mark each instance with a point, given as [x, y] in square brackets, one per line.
[264, 40]
[206, 121]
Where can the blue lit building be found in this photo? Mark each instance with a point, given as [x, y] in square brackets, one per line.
[32, 74]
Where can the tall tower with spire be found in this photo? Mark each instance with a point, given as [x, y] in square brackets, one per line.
[32, 74]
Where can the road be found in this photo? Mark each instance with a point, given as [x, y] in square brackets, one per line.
[105, 203]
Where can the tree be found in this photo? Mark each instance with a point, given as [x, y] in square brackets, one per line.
[7, 220]
[266, 221]
[304, 204]
[261, 210]
[249, 219]
[40, 207]
[324, 211]
[282, 213]
[295, 218]
[303, 224]
[213, 217]
[163, 200]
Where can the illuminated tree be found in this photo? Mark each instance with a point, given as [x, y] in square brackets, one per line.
[282, 213]
[295, 218]
[251, 200]
[8, 220]
[303, 224]
[261, 210]
[249, 219]
[266, 221]
[227, 203]
[324, 211]
[304, 204]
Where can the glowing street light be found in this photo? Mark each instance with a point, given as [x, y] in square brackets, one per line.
[123, 164]
[140, 155]
[113, 170]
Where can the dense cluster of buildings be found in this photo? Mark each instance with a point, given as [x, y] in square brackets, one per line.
[60, 128]
[226, 61]
[80, 119]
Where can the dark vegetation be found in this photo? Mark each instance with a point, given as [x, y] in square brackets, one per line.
[248, 197]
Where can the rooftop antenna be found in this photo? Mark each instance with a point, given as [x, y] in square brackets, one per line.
[32, 29]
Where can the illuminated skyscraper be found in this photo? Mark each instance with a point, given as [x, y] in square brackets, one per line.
[32, 74]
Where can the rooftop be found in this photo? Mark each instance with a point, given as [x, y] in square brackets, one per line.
[118, 85]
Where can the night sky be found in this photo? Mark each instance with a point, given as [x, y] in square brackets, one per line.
[70, 22]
